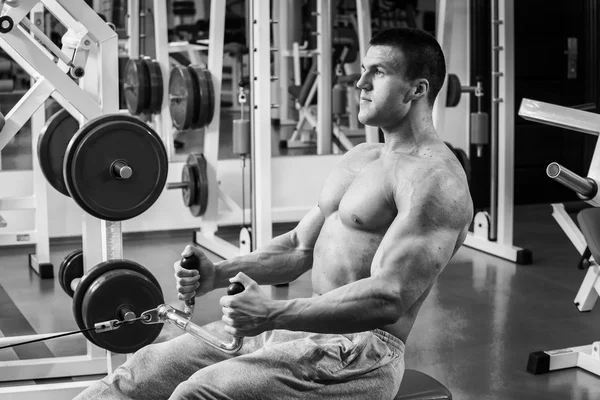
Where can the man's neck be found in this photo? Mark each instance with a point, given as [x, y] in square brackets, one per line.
[409, 134]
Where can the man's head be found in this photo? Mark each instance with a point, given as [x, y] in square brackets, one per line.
[402, 65]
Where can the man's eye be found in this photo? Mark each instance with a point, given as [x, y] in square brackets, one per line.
[378, 72]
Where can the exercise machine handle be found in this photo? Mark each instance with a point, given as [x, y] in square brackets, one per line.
[190, 262]
[181, 319]
[167, 313]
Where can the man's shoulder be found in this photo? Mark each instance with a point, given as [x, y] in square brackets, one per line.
[441, 187]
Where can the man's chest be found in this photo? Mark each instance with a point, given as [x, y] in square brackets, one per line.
[362, 197]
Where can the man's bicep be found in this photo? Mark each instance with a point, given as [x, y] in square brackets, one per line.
[308, 229]
[412, 254]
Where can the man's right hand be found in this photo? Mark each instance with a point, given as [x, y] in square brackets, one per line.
[191, 282]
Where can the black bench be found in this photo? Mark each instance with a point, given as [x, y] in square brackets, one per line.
[419, 386]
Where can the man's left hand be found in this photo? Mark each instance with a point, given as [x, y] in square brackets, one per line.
[248, 313]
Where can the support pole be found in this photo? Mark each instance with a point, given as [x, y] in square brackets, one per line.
[324, 79]
[260, 106]
[363, 8]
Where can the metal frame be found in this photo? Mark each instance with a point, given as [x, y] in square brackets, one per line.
[92, 97]
[580, 121]
[584, 357]
[41, 256]
[260, 109]
[493, 232]
[38, 200]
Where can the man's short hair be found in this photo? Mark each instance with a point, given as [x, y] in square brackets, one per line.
[424, 56]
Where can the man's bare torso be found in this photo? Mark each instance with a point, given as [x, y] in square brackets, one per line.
[358, 203]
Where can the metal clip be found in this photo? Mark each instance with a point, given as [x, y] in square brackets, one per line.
[242, 96]
[151, 316]
[107, 325]
[479, 89]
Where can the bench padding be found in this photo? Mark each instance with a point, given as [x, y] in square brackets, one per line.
[419, 386]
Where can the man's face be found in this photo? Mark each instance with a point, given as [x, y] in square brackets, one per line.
[383, 87]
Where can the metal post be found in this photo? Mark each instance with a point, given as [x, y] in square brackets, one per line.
[211, 132]
[363, 8]
[494, 121]
[324, 81]
[40, 185]
[260, 103]
[163, 120]
[133, 27]
[505, 159]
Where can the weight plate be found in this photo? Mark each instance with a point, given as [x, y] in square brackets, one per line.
[188, 174]
[137, 86]
[62, 268]
[197, 96]
[454, 91]
[211, 97]
[91, 155]
[197, 164]
[52, 145]
[181, 97]
[104, 291]
[70, 268]
[201, 109]
[156, 85]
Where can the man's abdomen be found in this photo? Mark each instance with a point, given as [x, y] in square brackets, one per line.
[342, 255]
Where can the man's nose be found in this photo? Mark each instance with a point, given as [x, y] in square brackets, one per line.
[363, 83]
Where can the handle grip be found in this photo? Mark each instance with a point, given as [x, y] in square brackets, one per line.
[235, 288]
[191, 262]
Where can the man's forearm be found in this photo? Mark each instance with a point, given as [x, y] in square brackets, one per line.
[356, 307]
[280, 261]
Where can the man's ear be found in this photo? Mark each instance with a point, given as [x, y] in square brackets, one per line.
[419, 89]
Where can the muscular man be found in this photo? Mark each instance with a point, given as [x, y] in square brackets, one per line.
[388, 220]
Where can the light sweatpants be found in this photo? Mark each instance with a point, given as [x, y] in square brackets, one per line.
[276, 365]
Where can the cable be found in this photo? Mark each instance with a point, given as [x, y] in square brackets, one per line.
[115, 325]
[47, 338]
[243, 190]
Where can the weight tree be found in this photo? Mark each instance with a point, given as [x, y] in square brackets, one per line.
[90, 55]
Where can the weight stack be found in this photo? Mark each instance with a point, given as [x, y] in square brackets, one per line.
[480, 132]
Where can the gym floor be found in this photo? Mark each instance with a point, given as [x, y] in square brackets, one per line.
[474, 333]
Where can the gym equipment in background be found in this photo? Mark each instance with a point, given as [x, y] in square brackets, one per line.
[191, 97]
[585, 238]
